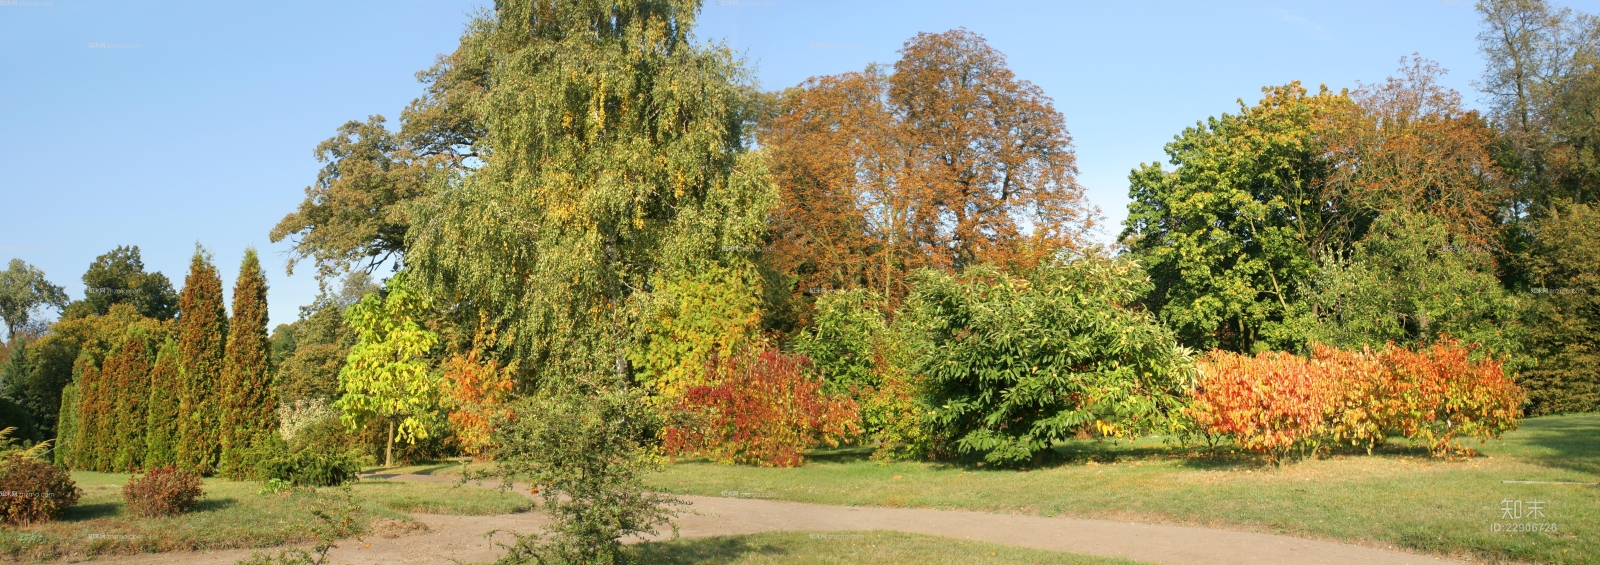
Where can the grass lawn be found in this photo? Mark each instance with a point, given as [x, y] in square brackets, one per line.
[865, 548]
[1397, 497]
[232, 515]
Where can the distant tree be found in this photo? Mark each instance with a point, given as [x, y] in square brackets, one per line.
[161, 428]
[118, 277]
[23, 290]
[946, 162]
[387, 376]
[313, 348]
[201, 331]
[246, 400]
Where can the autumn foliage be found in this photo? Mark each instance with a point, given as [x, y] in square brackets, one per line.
[762, 409]
[476, 391]
[1277, 403]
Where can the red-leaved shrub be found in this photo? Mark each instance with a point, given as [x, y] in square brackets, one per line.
[164, 491]
[1279, 403]
[760, 409]
[33, 491]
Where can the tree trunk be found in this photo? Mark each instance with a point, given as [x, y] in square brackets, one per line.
[388, 450]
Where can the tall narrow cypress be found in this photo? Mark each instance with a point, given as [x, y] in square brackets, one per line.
[90, 454]
[201, 333]
[246, 398]
[129, 384]
[67, 425]
[161, 418]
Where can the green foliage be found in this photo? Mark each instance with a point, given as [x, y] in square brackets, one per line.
[613, 160]
[587, 453]
[163, 491]
[310, 467]
[127, 375]
[67, 429]
[161, 410]
[201, 331]
[1407, 282]
[846, 330]
[1228, 236]
[118, 277]
[23, 289]
[95, 417]
[697, 318]
[246, 402]
[1563, 333]
[1016, 364]
[387, 375]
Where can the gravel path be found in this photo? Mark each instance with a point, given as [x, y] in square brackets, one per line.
[460, 539]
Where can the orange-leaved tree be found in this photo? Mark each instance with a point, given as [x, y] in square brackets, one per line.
[945, 162]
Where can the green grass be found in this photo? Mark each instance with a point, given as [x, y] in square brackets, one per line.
[1396, 497]
[231, 515]
[864, 548]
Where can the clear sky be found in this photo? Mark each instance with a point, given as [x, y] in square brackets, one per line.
[163, 124]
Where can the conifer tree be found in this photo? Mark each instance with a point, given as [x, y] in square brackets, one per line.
[67, 427]
[246, 402]
[128, 377]
[161, 417]
[91, 451]
[201, 331]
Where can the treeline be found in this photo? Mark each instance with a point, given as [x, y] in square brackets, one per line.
[156, 377]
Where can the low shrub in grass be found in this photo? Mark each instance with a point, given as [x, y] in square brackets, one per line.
[760, 409]
[310, 467]
[1278, 403]
[33, 491]
[163, 491]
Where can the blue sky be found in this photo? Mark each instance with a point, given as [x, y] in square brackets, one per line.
[160, 124]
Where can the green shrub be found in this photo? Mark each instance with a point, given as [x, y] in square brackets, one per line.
[1016, 364]
[310, 467]
[163, 491]
[32, 490]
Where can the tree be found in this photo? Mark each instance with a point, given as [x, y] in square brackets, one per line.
[1016, 364]
[95, 420]
[355, 213]
[613, 156]
[127, 376]
[161, 417]
[246, 401]
[201, 331]
[1229, 235]
[118, 277]
[23, 289]
[1564, 318]
[1537, 57]
[947, 162]
[387, 375]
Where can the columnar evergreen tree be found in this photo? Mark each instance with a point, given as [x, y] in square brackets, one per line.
[161, 428]
[128, 378]
[67, 428]
[246, 400]
[201, 331]
[92, 453]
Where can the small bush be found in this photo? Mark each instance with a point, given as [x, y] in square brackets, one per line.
[762, 409]
[309, 467]
[32, 490]
[163, 491]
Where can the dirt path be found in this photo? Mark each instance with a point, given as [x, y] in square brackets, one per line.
[460, 539]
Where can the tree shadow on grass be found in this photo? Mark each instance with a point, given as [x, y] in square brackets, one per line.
[82, 512]
[214, 504]
[840, 455]
[1570, 442]
[701, 550]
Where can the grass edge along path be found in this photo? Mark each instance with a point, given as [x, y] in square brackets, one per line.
[1396, 498]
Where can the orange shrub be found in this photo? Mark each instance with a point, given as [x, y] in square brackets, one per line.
[1267, 403]
[760, 409]
[1277, 403]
